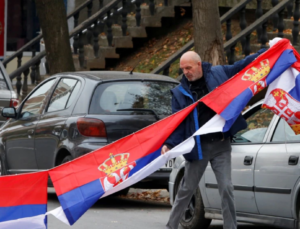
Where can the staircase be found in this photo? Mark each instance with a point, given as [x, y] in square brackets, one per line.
[114, 25]
[135, 29]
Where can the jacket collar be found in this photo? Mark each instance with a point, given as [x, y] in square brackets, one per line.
[185, 83]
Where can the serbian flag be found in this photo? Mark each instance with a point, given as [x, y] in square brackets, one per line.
[23, 201]
[80, 183]
[229, 99]
[283, 95]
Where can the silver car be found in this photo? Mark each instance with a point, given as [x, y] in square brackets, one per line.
[8, 98]
[265, 175]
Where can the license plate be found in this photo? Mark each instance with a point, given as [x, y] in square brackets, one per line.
[168, 165]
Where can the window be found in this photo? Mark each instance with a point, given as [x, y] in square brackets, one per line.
[132, 97]
[3, 85]
[35, 103]
[62, 94]
[279, 134]
[258, 124]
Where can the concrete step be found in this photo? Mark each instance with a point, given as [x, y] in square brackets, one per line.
[288, 24]
[133, 31]
[272, 35]
[108, 52]
[165, 11]
[117, 42]
[96, 63]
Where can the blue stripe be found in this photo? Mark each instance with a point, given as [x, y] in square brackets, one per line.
[76, 202]
[195, 115]
[295, 92]
[142, 162]
[233, 110]
[286, 59]
[21, 211]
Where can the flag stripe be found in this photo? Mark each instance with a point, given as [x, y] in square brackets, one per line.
[84, 169]
[79, 200]
[24, 189]
[16, 212]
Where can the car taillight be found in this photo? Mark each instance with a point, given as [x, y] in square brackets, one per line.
[14, 103]
[91, 127]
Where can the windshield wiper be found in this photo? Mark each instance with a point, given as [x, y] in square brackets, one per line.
[141, 110]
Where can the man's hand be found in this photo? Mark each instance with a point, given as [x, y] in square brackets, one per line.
[164, 149]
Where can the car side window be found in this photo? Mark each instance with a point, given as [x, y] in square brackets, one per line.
[62, 94]
[35, 103]
[258, 123]
[279, 133]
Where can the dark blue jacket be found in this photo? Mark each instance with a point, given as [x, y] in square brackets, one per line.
[182, 97]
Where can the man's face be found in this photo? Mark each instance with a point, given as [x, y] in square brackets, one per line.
[191, 69]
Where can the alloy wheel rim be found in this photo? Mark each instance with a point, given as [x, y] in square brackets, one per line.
[189, 211]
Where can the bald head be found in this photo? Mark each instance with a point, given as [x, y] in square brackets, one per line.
[190, 63]
[191, 55]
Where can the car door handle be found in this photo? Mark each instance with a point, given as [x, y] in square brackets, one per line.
[248, 160]
[57, 130]
[293, 160]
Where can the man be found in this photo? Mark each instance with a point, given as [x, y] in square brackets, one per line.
[198, 80]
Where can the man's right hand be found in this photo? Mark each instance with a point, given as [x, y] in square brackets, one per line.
[164, 149]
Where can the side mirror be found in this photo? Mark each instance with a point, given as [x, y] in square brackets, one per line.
[9, 112]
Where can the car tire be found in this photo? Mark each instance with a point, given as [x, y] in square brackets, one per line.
[67, 159]
[193, 216]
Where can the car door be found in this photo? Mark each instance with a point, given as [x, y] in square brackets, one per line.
[18, 135]
[277, 171]
[50, 130]
[245, 146]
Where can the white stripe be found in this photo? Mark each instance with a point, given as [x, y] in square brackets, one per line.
[35, 222]
[215, 124]
[286, 81]
[59, 214]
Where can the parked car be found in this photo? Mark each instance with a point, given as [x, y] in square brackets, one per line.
[71, 114]
[8, 98]
[265, 175]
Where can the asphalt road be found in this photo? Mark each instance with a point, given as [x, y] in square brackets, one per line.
[121, 213]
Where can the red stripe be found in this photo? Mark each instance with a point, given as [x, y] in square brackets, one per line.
[85, 169]
[23, 189]
[222, 96]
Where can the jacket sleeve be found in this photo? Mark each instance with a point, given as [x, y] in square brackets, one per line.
[178, 135]
[231, 70]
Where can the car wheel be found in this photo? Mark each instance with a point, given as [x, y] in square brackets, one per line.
[193, 216]
[67, 159]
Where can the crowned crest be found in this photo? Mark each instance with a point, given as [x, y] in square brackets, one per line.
[113, 163]
[258, 72]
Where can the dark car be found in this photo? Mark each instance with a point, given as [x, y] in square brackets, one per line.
[71, 114]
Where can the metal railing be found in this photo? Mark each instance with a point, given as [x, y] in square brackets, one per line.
[276, 13]
[87, 32]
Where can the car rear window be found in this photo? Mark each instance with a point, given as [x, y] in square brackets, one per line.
[3, 83]
[132, 97]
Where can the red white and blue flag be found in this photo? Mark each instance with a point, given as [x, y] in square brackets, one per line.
[23, 201]
[283, 96]
[81, 182]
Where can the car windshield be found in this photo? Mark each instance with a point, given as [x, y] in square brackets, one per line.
[132, 97]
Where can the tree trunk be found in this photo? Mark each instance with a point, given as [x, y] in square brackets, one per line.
[53, 21]
[207, 31]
